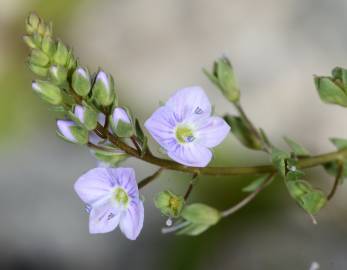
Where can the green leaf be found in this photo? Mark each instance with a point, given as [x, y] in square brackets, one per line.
[313, 201]
[278, 159]
[110, 158]
[201, 214]
[193, 229]
[141, 138]
[254, 185]
[339, 143]
[333, 167]
[296, 148]
[330, 92]
[242, 132]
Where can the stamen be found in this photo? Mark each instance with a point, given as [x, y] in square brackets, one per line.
[198, 110]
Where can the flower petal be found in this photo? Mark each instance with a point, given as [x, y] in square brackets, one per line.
[103, 219]
[188, 101]
[94, 185]
[125, 177]
[161, 126]
[191, 154]
[132, 221]
[212, 131]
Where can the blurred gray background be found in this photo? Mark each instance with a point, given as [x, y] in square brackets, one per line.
[153, 48]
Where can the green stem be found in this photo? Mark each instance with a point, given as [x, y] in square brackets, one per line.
[223, 171]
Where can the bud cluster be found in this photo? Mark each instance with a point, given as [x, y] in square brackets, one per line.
[85, 99]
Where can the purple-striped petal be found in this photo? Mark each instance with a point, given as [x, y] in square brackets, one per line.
[212, 131]
[188, 101]
[94, 185]
[131, 222]
[103, 219]
[191, 154]
[161, 126]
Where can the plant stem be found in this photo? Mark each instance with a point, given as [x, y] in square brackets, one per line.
[337, 181]
[249, 198]
[223, 171]
[150, 178]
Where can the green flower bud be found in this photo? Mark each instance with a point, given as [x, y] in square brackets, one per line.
[103, 89]
[72, 62]
[41, 71]
[39, 58]
[331, 91]
[48, 92]
[224, 78]
[169, 204]
[199, 213]
[30, 42]
[81, 81]
[61, 55]
[48, 46]
[121, 122]
[58, 74]
[71, 132]
[87, 116]
[32, 23]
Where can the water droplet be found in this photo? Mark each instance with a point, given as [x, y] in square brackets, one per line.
[169, 222]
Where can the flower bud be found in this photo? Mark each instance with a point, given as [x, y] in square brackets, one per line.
[169, 204]
[199, 213]
[30, 42]
[103, 89]
[41, 71]
[61, 55]
[48, 46]
[331, 91]
[121, 123]
[72, 132]
[39, 58]
[48, 92]
[81, 81]
[224, 78]
[87, 116]
[58, 74]
[32, 23]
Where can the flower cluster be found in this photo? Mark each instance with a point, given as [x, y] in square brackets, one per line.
[184, 127]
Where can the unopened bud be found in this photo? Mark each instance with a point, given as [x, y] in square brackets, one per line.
[38, 70]
[87, 116]
[48, 46]
[30, 42]
[121, 123]
[169, 204]
[61, 55]
[58, 74]
[224, 78]
[32, 23]
[72, 132]
[81, 81]
[331, 91]
[48, 92]
[103, 89]
[39, 58]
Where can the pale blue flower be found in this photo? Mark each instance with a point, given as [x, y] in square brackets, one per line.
[185, 128]
[112, 198]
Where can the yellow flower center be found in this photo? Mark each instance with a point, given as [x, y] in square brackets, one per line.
[184, 134]
[120, 196]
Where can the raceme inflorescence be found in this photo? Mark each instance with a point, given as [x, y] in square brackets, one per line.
[186, 130]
